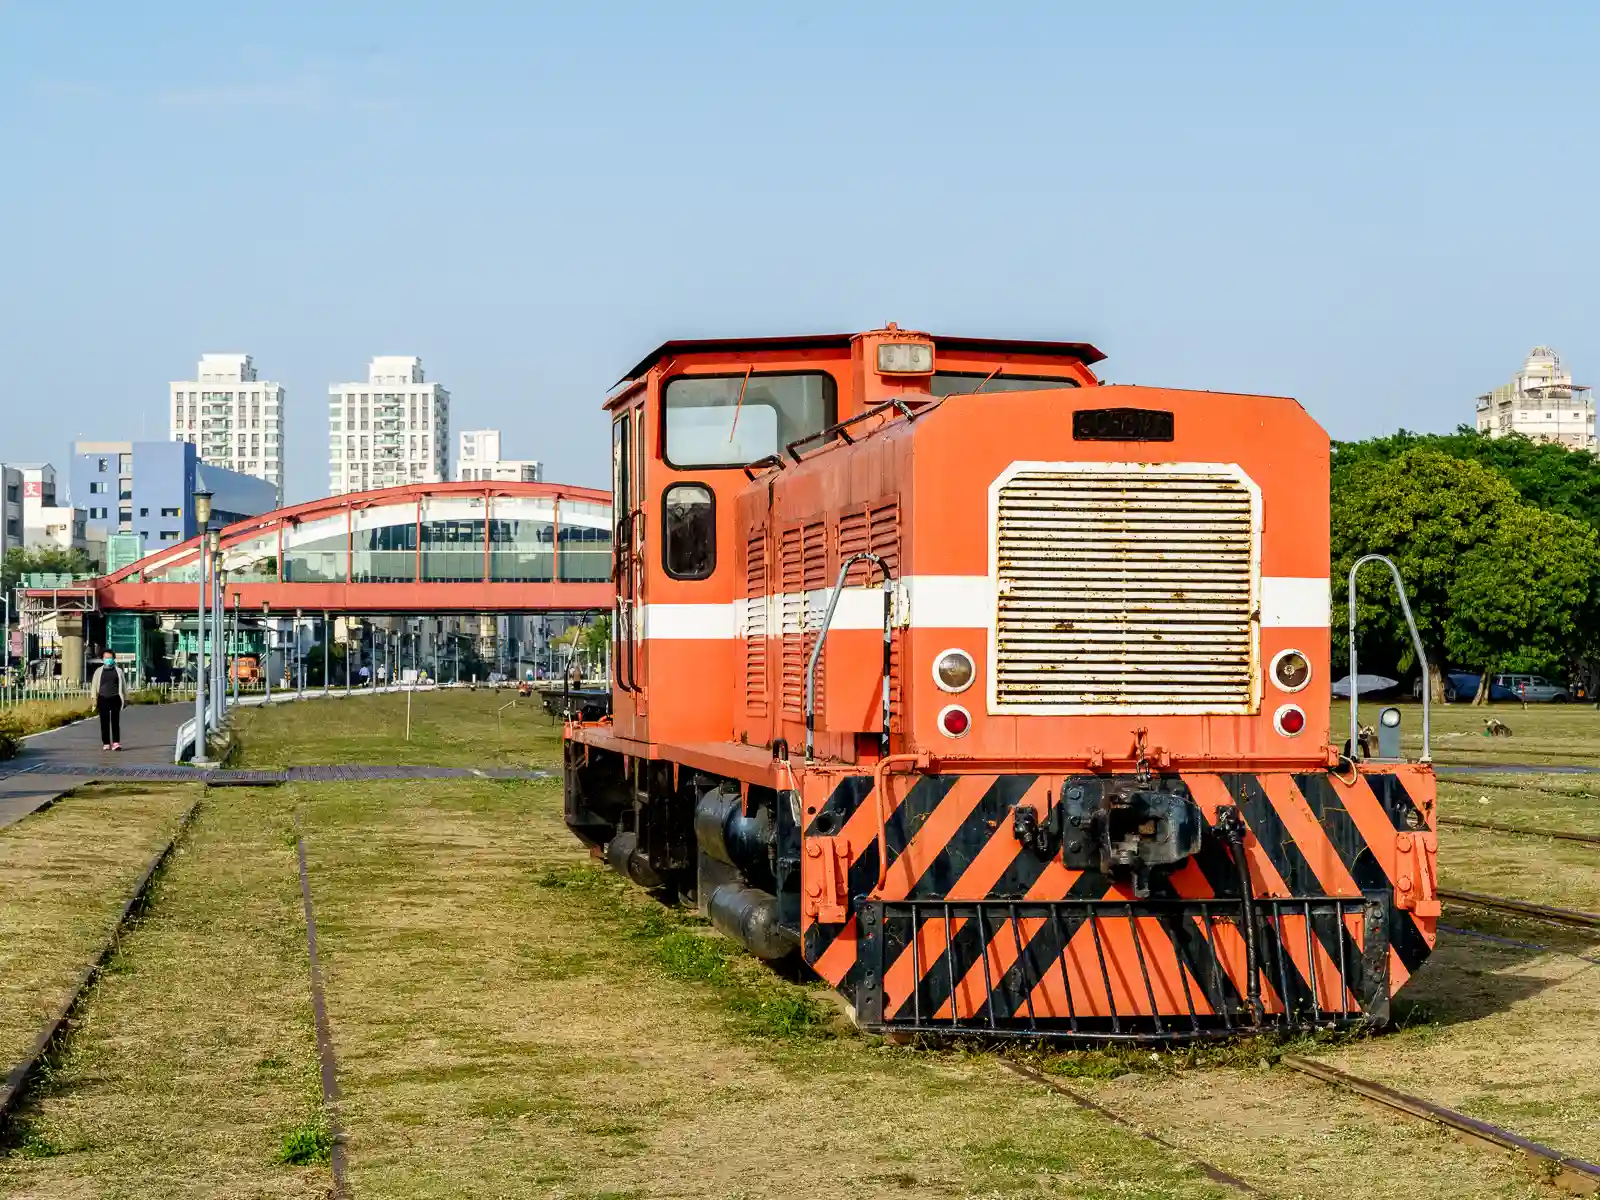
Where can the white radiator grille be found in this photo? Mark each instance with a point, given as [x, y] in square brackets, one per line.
[1125, 585]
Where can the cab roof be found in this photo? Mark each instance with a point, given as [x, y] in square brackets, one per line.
[1082, 351]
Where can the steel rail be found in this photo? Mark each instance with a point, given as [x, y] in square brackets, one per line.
[51, 1036]
[337, 1157]
[1498, 827]
[1213, 1173]
[1571, 1174]
[1525, 908]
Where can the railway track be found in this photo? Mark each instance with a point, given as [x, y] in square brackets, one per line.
[1499, 827]
[1568, 1172]
[1571, 1174]
[15, 1086]
[1575, 918]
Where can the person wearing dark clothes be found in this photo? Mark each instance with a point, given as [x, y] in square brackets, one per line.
[109, 697]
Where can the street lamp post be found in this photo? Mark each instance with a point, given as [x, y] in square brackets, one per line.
[266, 647]
[327, 643]
[299, 656]
[234, 640]
[219, 651]
[202, 519]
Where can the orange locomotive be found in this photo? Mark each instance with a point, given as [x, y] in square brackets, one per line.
[1000, 694]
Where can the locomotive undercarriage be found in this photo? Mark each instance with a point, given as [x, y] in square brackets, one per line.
[691, 835]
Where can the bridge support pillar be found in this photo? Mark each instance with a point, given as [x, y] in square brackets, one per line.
[69, 628]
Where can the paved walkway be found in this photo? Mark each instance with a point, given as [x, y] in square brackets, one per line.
[27, 783]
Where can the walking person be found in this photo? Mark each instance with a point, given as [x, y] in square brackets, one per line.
[110, 694]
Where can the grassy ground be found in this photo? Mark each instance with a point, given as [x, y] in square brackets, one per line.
[193, 1065]
[1540, 733]
[449, 727]
[64, 876]
[512, 1020]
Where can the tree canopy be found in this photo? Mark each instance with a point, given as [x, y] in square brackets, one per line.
[1498, 542]
[41, 560]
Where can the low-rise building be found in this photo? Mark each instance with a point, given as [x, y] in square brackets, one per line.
[478, 457]
[1541, 402]
[33, 517]
[147, 488]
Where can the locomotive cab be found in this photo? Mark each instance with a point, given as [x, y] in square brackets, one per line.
[999, 695]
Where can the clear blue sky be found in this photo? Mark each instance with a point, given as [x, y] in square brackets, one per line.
[1377, 208]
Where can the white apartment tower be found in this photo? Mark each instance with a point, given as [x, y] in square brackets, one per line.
[392, 429]
[1541, 402]
[234, 419]
[478, 457]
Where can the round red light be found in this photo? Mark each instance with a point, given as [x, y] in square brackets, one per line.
[955, 721]
[1291, 720]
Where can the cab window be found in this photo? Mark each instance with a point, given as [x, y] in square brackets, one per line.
[960, 383]
[733, 420]
[689, 531]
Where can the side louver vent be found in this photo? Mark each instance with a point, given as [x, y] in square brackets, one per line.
[1126, 585]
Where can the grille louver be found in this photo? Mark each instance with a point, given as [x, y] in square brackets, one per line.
[1126, 586]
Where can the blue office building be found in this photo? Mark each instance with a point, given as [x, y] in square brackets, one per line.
[148, 488]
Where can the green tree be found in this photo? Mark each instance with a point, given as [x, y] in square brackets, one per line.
[41, 560]
[1525, 598]
[1544, 474]
[1426, 511]
[596, 636]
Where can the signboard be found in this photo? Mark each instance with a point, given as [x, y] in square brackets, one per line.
[33, 488]
[16, 643]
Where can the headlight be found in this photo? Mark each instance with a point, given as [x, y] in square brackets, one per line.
[1291, 670]
[1389, 718]
[954, 671]
[905, 358]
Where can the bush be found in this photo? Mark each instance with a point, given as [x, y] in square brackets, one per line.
[10, 735]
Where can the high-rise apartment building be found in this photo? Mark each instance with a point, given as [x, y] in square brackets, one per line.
[392, 429]
[478, 457]
[1541, 402]
[232, 418]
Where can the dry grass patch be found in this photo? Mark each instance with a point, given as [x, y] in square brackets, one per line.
[1549, 734]
[1568, 802]
[65, 874]
[449, 727]
[513, 1020]
[193, 1069]
[1544, 870]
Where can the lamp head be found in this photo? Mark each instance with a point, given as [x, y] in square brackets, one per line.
[202, 506]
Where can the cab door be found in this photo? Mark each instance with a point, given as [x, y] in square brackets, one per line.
[627, 569]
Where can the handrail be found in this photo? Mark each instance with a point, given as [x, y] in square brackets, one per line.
[822, 637]
[1416, 642]
[839, 427]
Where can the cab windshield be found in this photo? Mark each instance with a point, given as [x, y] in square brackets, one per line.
[960, 383]
[732, 420]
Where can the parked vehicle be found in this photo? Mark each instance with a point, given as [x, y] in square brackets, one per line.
[1535, 689]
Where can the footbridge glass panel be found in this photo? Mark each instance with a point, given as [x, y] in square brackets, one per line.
[585, 540]
[522, 540]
